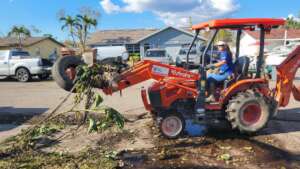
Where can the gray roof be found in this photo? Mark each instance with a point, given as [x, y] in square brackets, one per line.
[119, 36]
[129, 36]
[14, 42]
[183, 30]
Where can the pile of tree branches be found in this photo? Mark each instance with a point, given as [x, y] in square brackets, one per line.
[86, 101]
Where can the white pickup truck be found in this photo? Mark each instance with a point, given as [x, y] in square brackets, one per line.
[22, 66]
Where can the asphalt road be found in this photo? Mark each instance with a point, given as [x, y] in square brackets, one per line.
[37, 97]
[21, 101]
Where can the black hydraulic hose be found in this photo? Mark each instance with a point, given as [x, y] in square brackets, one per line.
[190, 48]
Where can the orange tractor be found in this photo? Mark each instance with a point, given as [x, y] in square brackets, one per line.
[177, 97]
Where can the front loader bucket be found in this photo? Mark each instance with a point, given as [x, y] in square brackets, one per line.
[296, 92]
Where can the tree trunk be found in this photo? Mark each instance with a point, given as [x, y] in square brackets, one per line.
[20, 41]
[85, 35]
[73, 38]
[81, 41]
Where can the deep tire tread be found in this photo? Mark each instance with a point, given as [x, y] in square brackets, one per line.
[237, 102]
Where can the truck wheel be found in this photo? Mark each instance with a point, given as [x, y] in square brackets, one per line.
[248, 112]
[23, 75]
[43, 76]
[172, 125]
[64, 71]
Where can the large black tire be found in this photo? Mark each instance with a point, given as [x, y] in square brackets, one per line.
[248, 112]
[23, 74]
[172, 125]
[59, 71]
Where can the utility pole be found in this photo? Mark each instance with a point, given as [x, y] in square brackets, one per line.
[190, 21]
[285, 36]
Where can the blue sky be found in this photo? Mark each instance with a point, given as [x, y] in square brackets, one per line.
[117, 14]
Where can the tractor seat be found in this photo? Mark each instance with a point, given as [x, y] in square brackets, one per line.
[241, 67]
[240, 71]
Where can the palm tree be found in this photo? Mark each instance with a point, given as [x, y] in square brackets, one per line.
[19, 32]
[85, 24]
[70, 23]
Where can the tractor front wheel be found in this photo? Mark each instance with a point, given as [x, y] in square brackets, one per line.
[172, 125]
[248, 112]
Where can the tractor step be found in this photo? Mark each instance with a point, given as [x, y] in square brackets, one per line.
[213, 106]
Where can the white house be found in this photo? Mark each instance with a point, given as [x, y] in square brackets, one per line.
[250, 40]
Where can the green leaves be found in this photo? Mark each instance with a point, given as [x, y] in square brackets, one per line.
[225, 157]
[98, 100]
[86, 78]
[46, 129]
[19, 32]
[79, 27]
[111, 155]
[114, 116]
[92, 125]
[291, 23]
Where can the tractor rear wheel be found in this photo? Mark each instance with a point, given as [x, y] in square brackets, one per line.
[248, 112]
[172, 125]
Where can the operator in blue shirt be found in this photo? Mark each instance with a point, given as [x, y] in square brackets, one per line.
[225, 66]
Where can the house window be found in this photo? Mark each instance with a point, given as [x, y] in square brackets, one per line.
[133, 48]
[146, 46]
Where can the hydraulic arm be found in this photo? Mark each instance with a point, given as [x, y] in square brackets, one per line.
[145, 70]
[286, 72]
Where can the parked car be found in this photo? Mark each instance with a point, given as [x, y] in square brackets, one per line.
[195, 55]
[279, 54]
[22, 66]
[274, 57]
[181, 59]
[112, 52]
[160, 55]
[53, 56]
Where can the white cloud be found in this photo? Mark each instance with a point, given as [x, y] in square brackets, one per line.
[109, 7]
[175, 12]
[292, 16]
